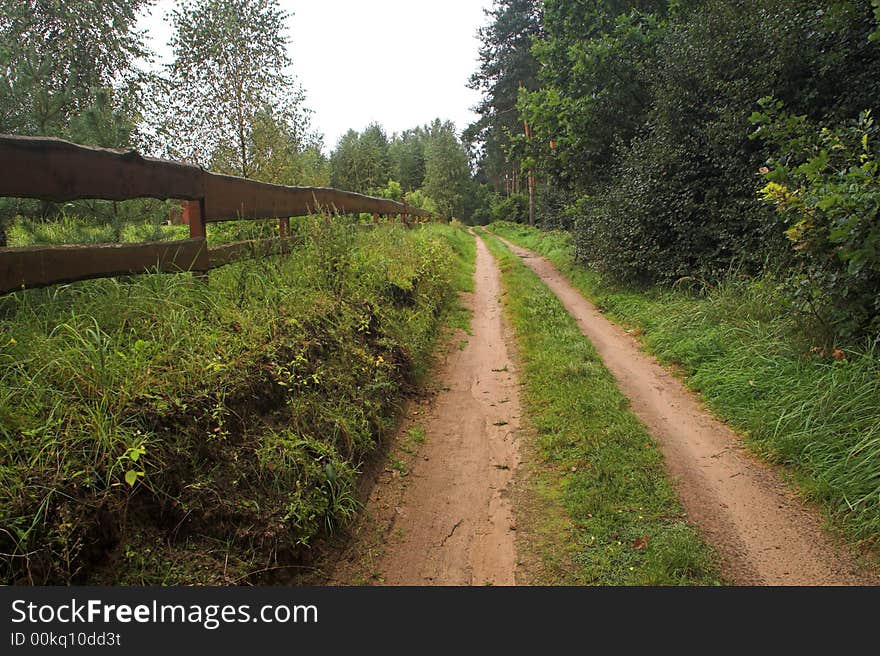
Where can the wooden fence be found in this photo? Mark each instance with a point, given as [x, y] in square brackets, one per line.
[55, 170]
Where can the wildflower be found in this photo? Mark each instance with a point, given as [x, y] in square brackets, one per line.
[12, 341]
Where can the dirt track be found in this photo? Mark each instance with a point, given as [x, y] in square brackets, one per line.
[450, 522]
[764, 533]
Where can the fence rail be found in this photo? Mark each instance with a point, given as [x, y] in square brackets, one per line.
[56, 170]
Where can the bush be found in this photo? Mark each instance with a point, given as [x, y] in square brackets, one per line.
[551, 207]
[514, 208]
[681, 198]
[825, 184]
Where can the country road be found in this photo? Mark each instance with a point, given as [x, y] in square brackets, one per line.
[451, 521]
[764, 533]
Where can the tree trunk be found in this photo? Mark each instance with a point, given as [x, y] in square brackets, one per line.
[242, 140]
[531, 197]
[531, 180]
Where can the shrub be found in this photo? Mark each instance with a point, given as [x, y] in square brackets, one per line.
[513, 208]
[825, 184]
[681, 197]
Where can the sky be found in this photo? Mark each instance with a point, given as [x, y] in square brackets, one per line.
[401, 63]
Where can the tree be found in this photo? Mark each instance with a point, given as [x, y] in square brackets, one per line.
[361, 161]
[595, 90]
[407, 153]
[278, 153]
[60, 60]
[230, 66]
[506, 66]
[69, 69]
[447, 173]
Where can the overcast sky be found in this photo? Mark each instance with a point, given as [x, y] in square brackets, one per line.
[399, 62]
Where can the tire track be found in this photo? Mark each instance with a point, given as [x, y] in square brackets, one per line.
[765, 534]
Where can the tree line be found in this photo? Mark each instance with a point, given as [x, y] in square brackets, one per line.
[688, 139]
[227, 100]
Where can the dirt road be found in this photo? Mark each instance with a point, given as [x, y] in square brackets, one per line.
[450, 522]
[764, 533]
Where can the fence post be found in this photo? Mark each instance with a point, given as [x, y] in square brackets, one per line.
[284, 233]
[194, 216]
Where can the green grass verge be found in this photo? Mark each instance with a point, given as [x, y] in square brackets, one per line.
[743, 350]
[623, 524]
[158, 430]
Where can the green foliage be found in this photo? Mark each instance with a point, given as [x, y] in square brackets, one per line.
[230, 90]
[506, 65]
[479, 202]
[69, 229]
[361, 161]
[215, 429]
[514, 208]
[278, 153]
[447, 173]
[640, 122]
[596, 71]
[420, 199]
[875, 35]
[552, 206]
[825, 183]
[63, 63]
[392, 190]
[431, 160]
[407, 153]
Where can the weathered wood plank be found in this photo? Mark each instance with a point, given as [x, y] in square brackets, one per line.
[25, 268]
[57, 170]
[228, 197]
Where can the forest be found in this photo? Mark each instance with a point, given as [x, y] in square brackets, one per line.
[688, 140]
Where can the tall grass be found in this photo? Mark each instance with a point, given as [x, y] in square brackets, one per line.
[798, 402]
[157, 429]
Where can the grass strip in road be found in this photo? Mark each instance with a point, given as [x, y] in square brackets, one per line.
[621, 522]
[740, 346]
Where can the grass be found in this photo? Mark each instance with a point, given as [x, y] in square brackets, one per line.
[606, 513]
[413, 439]
[67, 229]
[739, 345]
[156, 429]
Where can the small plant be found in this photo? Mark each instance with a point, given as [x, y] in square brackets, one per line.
[129, 461]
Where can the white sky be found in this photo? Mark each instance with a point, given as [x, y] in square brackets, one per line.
[399, 62]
